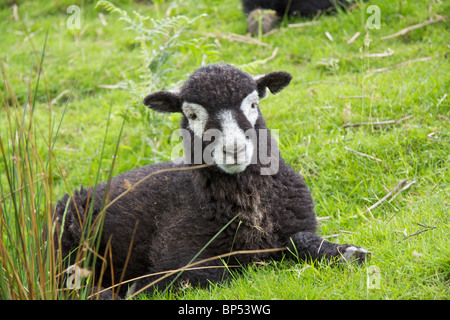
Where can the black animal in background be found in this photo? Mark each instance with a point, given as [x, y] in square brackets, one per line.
[264, 14]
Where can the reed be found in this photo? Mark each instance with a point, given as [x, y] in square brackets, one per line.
[31, 267]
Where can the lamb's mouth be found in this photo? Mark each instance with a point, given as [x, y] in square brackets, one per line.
[233, 168]
[231, 165]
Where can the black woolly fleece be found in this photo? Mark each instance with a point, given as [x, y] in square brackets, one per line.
[178, 212]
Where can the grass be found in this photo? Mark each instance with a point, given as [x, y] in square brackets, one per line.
[332, 86]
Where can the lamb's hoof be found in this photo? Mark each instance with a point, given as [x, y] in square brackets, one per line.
[355, 254]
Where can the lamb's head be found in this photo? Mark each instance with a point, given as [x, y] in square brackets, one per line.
[219, 104]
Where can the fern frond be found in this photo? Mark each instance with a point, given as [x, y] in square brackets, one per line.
[108, 6]
[161, 45]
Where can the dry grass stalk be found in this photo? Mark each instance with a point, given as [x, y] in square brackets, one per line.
[331, 236]
[59, 96]
[272, 56]
[416, 26]
[387, 53]
[363, 154]
[400, 65]
[441, 100]
[232, 37]
[329, 36]
[376, 123]
[303, 24]
[113, 86]
[201, 166]
[355, 36]
[388, 195]
[431, 135]
[403, 189]
[427, 228]
[15, 12]
[189, 266]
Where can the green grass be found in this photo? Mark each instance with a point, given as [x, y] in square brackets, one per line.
[309, 115]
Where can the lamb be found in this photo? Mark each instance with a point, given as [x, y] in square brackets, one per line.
[269, 11]
[239, 194]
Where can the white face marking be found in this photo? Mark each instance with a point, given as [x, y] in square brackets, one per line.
[249, 107]
[233, 153]
[232, 149]
[197, 117]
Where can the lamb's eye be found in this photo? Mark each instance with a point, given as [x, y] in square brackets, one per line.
[254, 105]
[193, 116]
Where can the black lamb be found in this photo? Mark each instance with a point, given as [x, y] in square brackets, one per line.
[237, 192]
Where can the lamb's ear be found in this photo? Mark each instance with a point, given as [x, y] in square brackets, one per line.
[274, 81]
[164, 101]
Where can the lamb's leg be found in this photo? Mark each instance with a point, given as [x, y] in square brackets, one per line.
[311, 246]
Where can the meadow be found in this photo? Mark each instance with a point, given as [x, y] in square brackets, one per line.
[365, 121]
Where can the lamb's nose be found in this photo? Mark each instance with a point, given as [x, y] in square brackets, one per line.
[233, 149]
[234, 153]
[229, 149]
